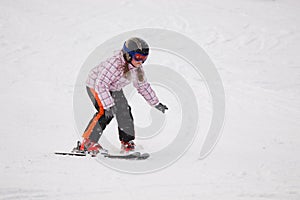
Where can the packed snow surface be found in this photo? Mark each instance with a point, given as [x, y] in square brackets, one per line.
[255, 47]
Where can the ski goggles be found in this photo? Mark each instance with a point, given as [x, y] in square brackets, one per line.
[135, 55]
[139, 57]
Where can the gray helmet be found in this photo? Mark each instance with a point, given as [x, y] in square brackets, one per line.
[134, 46]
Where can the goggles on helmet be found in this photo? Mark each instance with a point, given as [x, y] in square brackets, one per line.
[139, 57]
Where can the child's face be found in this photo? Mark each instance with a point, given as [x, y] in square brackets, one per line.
[136, 64]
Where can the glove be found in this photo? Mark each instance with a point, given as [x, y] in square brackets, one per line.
[110, 112]
[161, 107]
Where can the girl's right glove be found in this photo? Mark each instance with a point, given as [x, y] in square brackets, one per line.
[161, 107]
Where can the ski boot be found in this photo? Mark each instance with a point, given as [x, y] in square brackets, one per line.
[127, 147]
[92, 148]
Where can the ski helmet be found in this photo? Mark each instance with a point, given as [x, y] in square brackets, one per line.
[136, 48]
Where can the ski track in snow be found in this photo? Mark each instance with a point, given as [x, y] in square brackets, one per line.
[254, 45]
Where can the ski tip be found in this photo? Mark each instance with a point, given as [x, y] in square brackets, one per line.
[144, 156]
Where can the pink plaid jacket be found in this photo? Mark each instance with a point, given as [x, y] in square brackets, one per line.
[109, 76]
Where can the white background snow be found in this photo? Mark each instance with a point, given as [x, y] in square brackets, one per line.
[255, 46]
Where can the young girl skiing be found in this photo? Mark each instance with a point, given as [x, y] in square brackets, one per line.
[104, 87]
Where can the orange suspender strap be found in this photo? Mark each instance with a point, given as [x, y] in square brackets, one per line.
[95, 120]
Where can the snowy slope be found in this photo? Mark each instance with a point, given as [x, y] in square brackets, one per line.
[254, 45]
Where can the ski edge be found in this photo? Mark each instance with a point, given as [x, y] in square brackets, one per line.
[69, 153]
[133, 156]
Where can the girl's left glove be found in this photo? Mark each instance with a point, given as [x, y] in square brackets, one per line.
[161, 107]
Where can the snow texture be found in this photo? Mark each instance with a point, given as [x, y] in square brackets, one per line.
[255, 46]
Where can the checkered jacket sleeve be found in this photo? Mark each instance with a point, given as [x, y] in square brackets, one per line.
[143, 87]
